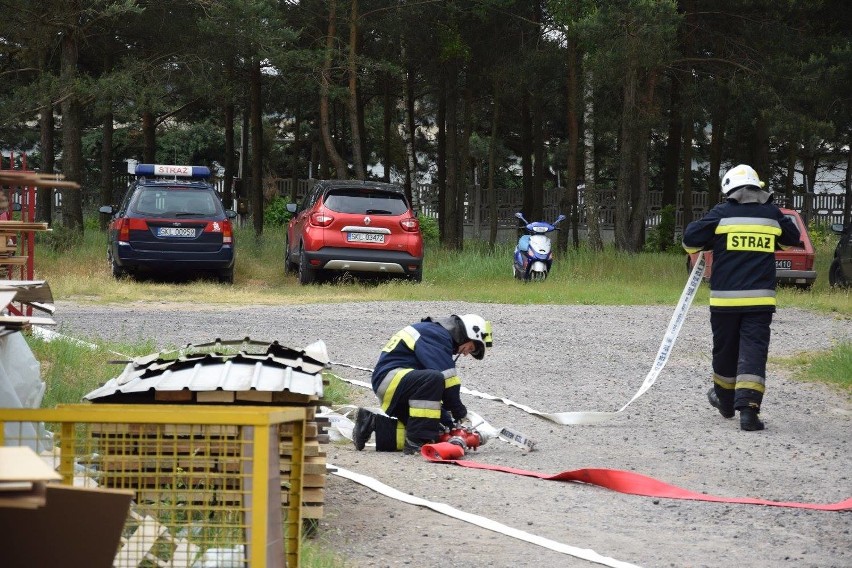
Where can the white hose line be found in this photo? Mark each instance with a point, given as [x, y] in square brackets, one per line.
[483, 522]
[590, 417]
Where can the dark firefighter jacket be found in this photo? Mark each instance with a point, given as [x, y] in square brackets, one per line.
[423, 345]
[743, 238]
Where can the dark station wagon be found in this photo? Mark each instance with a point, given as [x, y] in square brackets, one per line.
[172, 221]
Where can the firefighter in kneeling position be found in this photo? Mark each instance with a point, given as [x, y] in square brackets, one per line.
[743, 232]
[417, 383]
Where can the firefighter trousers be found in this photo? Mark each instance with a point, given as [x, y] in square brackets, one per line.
[740, 349]
[415, 400]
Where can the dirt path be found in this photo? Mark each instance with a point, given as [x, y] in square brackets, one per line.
[555, 359]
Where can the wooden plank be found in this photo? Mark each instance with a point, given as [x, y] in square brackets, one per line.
[254, 396]
[312, 511]
[214, 396]
[311, 430]
[14, 260]
[173, 396]
[309, 495]
[287, 396]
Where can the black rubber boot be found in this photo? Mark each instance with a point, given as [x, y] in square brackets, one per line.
[365, 424]
[715, 403]
[749, 419]
[412, 447]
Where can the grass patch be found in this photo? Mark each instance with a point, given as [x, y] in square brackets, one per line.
[833, 367]
[476, 274]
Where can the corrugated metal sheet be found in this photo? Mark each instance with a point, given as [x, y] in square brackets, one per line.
[205, 367]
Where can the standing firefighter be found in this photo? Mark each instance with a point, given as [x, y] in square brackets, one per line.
[743, 232]
[417, 383]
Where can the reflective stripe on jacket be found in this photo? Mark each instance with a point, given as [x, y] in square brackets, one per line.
[743, 238]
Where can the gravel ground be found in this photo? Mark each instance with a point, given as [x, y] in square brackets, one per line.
[556, 359]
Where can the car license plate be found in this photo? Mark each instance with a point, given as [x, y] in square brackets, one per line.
[365, 237]
[783, 264]
[175, 232]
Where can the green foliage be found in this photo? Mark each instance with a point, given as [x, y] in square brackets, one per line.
[72, 369]
[60, 239]
[833, 366]
[429, 229]
[821, 233]
[197, 143]
[275, 213]
[662, 237]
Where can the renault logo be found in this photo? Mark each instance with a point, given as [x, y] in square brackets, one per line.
[366, 220]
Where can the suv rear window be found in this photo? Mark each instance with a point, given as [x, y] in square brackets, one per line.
[169, 202]
[366, 202]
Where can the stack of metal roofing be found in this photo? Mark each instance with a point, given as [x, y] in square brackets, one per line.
[254, 372]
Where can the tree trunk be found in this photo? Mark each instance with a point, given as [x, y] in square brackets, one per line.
[714, 181]
[568, 203]
[463, 176]
[590, 194]
[149, 137]
[411, 150]
[526, 159]
[686, 197]
[627, 159]
[671, 166]
[387, 118]
[72, 129]
[538, 160]
[228, 196]
[492, 164]
[106, 165]
[442, 161]
[44, 195]
[790, 178]
[297, 151]
[354, 123]
[761, 148]
[451, 226]
[847, 201]
[256, 110]
[325, 125]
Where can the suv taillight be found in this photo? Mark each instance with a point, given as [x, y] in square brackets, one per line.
[321, 219]
[227, 232]
[412, 225]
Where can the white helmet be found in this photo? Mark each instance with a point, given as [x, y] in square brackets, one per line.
[739, 176]
[477, 330]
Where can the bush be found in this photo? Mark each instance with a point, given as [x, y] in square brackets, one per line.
[662, 237]
[429, 229]
[275, 213]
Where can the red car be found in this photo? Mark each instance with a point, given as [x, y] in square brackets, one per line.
[792, 266]
[360, 227]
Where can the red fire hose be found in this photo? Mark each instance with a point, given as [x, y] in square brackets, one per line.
[617, 480]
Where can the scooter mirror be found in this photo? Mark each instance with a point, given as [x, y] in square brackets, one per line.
[519, 215]
[559, 219]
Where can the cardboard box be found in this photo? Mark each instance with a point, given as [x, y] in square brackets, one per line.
[72, 527]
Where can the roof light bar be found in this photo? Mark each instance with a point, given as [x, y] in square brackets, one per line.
[172, 171]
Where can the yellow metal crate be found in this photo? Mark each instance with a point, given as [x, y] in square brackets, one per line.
[206, 479]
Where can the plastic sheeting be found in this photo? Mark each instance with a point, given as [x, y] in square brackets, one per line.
[21, 387]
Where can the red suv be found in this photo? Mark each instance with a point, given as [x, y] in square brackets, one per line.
[361, 227]
[792, 266]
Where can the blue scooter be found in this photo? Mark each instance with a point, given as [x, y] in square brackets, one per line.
[533, 256]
